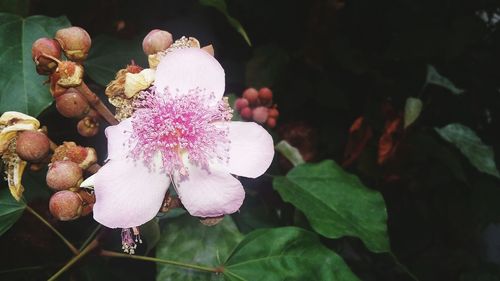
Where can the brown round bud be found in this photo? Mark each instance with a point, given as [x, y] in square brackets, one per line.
[65, 205]
[265, 96]
[246, 113]
[32, 146]
[88, 127]
[63, 175]
[271, 122]
[75, 42]
[49, 47]
[273, 112]
[259, 114]
[72, 104]
[156, 41]
[251, 95]
[70, 74]
[240, 103]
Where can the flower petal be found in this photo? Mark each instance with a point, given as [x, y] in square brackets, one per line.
[128, 194]
[251, 150]
[212, 194]
[186, 69]
[119, 139]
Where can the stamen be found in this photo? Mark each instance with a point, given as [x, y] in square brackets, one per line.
[130, 239]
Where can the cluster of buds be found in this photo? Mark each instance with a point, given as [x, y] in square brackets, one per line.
[258, 106]
[65, 173]
[72, 96]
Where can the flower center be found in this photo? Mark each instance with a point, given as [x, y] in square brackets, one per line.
[191, 124]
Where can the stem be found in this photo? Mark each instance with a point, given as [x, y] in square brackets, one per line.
[38, 216]
[97, 104]
[93, 168]
[402, 266]
[169, 262]
[76, 258]
[91, 236]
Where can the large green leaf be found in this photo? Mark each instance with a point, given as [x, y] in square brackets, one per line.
[336, 203]
[10, 210]
[21, 88]
[221, 6]
[465, 139]
[108, 55]
[185, 239]
[286, 253]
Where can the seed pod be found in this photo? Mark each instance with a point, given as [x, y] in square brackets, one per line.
[88, 127]
[260, 114]
[72, 104]
[83, 156]
[75, 42]
[32, 146]
[65, 205]
[71, 74]
[48, 47]
[156, 41]
[251, 95]
[63, 175]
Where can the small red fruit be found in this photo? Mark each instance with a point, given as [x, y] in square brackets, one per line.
[45, 46]
[273, 112]
[63, 175]
[240, 103]
[246, 113]
[32, 146]
[266, 96]
[75, 42]
[72, 104]
[88, 127]
[156, 41]
[251, 95]
[271, 122]
[260, 114]
[65, 205]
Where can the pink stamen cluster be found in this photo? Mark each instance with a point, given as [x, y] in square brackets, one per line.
[130, 238]
[177, 124]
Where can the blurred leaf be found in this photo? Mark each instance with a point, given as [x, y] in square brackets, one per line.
[221, 6]
[185, 239]
[336, 203]
[413, 108]
[10, 210]
[286, 253]
[108, 55]
[266, 66]
[150, 231]
[231, 99]
[291, 153]
[465, 139]
[21, 88]
[433, 77]
[19, 7]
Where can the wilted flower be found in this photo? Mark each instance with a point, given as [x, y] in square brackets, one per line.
[179, 134]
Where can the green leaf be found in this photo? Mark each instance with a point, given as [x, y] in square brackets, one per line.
[266, 67]
[433, 77]
[221, 6]
[21, 88]
[286, 253]
[472, 147]
[19, 7]
[413, 108]
[336, 203]
[10, 210]
[108, 55]
[290, 152]
[150, 231]
[185, 239]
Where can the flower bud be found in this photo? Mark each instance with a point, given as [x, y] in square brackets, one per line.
[63, 175]
[260, 114]
[209, 49]
[83, 156]
[72, 104]
[240, 103]
[265, 96]
[246, 113]
[156, 41]
[75, 42]
[45, 46]
[251, 95]
[271, 122]
[65, 205]
[273, 112]
[71, 74]
[32, 146]
[88, 127]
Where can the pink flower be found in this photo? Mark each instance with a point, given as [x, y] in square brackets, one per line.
[180, 135]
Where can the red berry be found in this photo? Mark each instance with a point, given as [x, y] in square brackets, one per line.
[32, 146]
[45, 46]
[266, 96]
[75, 42]
[260, 114]
[72, 104]
[271, 122]
[246, 113]
[65, 205]
[88, 127]
[251, 95]
[156, 41]
[63, 175]
[240, 103]
[273, 112]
